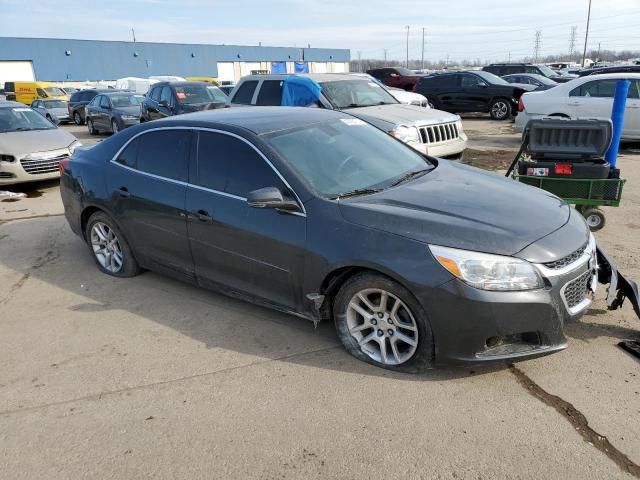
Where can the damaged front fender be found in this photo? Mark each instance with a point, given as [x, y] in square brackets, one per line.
[619, 286]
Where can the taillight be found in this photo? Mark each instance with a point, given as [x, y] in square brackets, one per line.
[520, 105]
[63, 164]
[563, 169]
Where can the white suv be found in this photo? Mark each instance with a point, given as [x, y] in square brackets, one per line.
[432, 132]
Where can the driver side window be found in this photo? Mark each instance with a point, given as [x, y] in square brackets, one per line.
[104, 102]
[470, 81]
[166, 96]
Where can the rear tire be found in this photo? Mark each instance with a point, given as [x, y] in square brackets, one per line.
[114, 127]
[500, 109]
[109, 248]
[594, 217]
[77, 119]
[371, 306]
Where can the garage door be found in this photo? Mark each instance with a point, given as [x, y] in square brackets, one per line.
[225, 72]
[15, 71]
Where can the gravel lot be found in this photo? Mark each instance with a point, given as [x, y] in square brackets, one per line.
[151, 378]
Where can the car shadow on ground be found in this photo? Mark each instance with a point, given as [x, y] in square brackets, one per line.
[63, 261]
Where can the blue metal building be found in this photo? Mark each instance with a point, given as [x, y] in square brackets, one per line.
[78, 60]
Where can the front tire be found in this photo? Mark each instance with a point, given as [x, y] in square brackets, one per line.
[380, 322]
[114, 127]
[500, 109]
[109, 248]
[77, 119]
[91, 128]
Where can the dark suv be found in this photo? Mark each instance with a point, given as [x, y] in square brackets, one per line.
[397, 77]
[165, 99]
[502, 69]
[472, 91]
[79, 100]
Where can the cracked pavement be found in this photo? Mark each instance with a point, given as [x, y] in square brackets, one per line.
[149, 377]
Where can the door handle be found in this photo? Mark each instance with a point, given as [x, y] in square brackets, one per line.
[203, 216]
[124, 192]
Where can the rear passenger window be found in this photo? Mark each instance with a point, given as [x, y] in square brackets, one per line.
[270, 93]
[228, 164]
[245, 93]
[164, 153]
[128, 155]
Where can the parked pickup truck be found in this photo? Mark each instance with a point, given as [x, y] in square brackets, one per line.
[397, 77]
[432, 132]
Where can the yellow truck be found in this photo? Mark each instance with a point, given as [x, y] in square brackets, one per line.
[27, 92]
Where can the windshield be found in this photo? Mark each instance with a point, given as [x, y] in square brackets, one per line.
[491, 78]
[546, 71]
[356, 93]
[188, 94]
[346, 155]
[54, 91]
[22, 119]
[118, 101]
[55, 104]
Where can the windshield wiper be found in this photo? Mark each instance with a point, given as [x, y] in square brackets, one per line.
[410, 175]
[356, 192]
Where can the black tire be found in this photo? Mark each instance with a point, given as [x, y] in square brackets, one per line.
[594, 217]
[91, 128]
[77, 118]
[130, 267]
[423, 356]
[114, 126]
[500, 109]
[408, 87]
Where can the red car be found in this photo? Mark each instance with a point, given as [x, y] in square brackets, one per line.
[398, 77]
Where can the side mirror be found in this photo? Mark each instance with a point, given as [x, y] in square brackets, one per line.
[271, 197]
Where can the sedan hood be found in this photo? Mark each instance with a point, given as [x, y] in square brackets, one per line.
[22, 143]
[401, 114]
[462, 207]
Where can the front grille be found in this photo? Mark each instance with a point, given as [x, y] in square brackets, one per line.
[35, 166]
[576, 290]
[564, 261]
[438, 133]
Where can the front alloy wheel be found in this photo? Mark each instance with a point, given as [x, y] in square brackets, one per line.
[383, 326]
[500, 110]
[106, 247]
[380, 322]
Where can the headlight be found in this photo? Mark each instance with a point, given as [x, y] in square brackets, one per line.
[405, 134]
[488, 272]
[459, 126]
[73, 146]
[130, 117]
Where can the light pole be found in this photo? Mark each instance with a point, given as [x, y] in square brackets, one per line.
[422, 63]
[586, 35]
[407, 46]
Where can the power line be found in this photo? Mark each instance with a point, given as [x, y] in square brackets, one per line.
[572, 41]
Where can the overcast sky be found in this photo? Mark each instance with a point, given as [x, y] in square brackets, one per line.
[462, 29]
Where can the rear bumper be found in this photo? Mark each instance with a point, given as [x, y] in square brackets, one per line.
[523, 118]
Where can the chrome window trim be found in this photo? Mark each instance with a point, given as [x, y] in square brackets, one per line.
[199, 187]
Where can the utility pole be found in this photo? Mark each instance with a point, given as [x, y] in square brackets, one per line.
[537, 44]
[359, 60]
[407, 46]
[133, 32]
[586, 35]
[572, 42]
[422, 63]
[598, 50]
[385, 55]
[509, 57]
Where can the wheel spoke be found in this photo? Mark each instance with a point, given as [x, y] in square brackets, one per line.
[394, 348]
[367, 339]
[359, 328]
[100, 233]
[383, 349]
[384, 297]
[403, 338]
[360, 310]
[366, 301]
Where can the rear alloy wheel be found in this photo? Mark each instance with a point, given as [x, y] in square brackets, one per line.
[594, 217]
[77, 119]
[500, 109]
[380, 322]
[114, 126]
[91, 128]
[109, 247]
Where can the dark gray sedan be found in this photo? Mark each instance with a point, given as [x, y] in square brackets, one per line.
[539, 82]
[55, 111]
[112, 112]
[416, 260]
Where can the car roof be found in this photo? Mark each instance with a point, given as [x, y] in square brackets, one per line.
[10, 104]
[119, 92]
[178, 84]
[259, 120]
[318, 77]
[617, 75]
